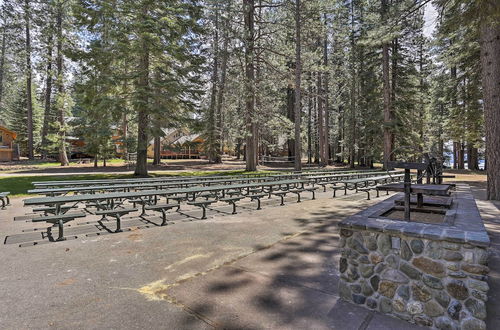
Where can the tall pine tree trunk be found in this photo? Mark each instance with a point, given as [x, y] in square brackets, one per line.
[157, 150]
[298, 77]
[251, 134]
[461, 156]
[321, 119]
[388, 135]
[29, 98]
[212, 130]
[125, 137]
[290, 101]
[309, 121]
[2, 59]
[63, 157]
[490, 63]
[220, 95]
[48, 97]
[141, 168]
[472, 157]
[340, 137]
[326, 129]
[455, 155]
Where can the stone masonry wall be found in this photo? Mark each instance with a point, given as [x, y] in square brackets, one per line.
[428, 282]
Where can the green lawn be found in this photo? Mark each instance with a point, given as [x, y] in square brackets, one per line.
[19, 185]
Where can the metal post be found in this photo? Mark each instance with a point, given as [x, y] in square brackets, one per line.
[118, 224]
[61, 231]
[420, 197]
[407, 186]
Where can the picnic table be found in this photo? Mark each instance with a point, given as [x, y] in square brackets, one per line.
[64, 183]
[160, 184]
[346, 176]
[425, 189]
[4, 198]
[73, 183]
[366, 182]
[109, 202]
[143, 186]
[58, 201]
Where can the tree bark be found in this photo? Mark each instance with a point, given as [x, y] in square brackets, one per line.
[63, 157]
[388, 135]
[220, 95]
[141, 168]
[298, 76]
[212, 134]
[461, 156]
[326, 130]
[29, 99]
[157, 150]
[490, 63]
[48, 97]
[290, 101]
[251, 134]
[340, 137]
[472, 157]
[309, 121]
[125, 137]
[2, 59]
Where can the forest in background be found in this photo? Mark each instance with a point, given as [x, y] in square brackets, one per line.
[345, 81]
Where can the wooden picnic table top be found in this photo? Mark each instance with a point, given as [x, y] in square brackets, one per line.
[425, 189]
[148, 193]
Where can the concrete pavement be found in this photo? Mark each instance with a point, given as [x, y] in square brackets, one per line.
[275, 269]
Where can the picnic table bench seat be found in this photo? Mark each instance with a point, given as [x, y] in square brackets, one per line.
[297, 191]
[257, 197]
[178, 199]
[52, 210]
[368, 189]
[325, 184]
[163, 208]
[60, 220]
[232, 201]
[234, 192]
[117, 214]
[281, 194]
[207, 195]
[312, 189]
[100, 205]
[4, 197]
[335, 188]
[203, 204]
[143, 203]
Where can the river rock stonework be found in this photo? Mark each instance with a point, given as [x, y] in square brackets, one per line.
[439, 283]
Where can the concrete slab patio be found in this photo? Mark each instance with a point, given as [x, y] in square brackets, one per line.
[276, 268]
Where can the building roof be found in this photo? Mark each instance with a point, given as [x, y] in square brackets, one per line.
[186, 138]
[8, 131]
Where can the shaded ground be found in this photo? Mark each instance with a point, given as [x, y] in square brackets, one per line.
[274, 268]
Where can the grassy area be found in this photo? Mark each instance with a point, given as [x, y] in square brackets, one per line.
[19, 185]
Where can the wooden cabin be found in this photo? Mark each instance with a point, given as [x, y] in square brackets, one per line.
[8, 150]
[179, 144]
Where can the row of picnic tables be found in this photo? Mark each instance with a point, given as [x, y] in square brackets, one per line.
[110, 198]
[74, 183]
[164, 183]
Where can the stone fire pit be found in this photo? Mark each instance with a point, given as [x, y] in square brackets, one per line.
[431, 274]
